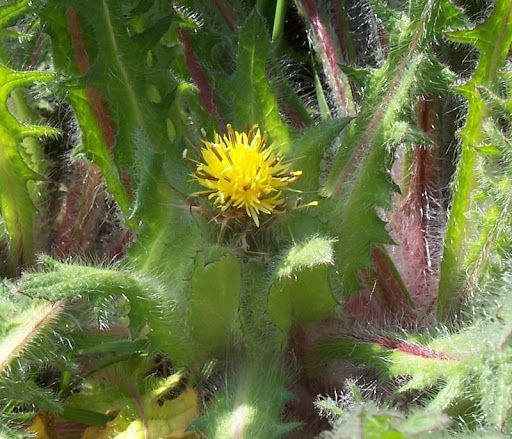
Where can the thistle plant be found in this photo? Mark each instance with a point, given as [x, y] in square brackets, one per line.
[256, 219]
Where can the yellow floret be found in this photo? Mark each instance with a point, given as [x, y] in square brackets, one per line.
[243, 172]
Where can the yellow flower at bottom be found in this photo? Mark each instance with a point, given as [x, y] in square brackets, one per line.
[242, 172]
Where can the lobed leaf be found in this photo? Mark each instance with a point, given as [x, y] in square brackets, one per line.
[17, 208]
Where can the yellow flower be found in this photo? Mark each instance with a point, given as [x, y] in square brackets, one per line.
[242, 172]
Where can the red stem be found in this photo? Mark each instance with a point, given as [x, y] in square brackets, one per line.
[117, 250]
[227, 13]
[404, 346]
[415, 215]
[395, 299]
[75, 232]
[330, 57]
[77, 225]
[95, 99]
[206, 95]
[340, 31]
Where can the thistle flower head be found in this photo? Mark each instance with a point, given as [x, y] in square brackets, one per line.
[242, 172]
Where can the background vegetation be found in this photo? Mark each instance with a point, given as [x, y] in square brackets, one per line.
[374, 304]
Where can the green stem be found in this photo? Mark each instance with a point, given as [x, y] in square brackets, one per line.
[277, 31]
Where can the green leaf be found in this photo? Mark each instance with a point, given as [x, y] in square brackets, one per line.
[98, 130]
[392, 357]
[497, 404]
[16, 205]
[309, 148]
[94, 145]
[292, 299]
[493, 40]
[323, 106]
[252, 99]
[12, 433]
[26, 326]
[360, 75]
[250, 405]
[85, 417]
[149, 300]
[111, 132]
[389, 16]
[367, 420]
[422, 422]
[214, 298]
[304, 298]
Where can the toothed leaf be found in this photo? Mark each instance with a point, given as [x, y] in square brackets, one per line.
[359, 177]
[17, 208]
[493, 39]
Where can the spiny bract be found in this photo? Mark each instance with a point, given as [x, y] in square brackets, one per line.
[242, 172]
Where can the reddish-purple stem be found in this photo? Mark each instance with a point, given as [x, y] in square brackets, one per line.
[94, 97]
[404, 346]
[116, 251]
[363, 309]
[415, 216]
[330, 58]
[340, 31]
[206, 95]
[394, 298]
[384, 299]
[227, 13]
[77, 224]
